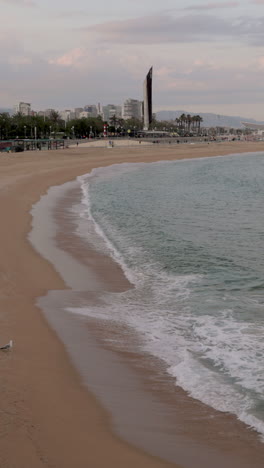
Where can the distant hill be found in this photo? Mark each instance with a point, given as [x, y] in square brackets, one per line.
[209, 120]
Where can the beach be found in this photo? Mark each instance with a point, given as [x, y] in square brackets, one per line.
[49, 417]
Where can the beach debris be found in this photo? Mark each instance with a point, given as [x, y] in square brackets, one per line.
[7, 346]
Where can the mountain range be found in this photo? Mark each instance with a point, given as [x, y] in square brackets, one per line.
[209, 120]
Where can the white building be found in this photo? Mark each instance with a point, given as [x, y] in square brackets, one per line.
[84, 115]
[110, 111]
[48, 112]
[132, 109]
[67, 115]
[23, 108]
[78, 111]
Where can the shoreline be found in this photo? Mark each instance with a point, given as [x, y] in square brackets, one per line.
[48, 424]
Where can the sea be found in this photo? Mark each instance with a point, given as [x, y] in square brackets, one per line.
[189, 237]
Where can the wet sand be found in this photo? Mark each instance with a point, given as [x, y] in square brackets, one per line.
[48, 418]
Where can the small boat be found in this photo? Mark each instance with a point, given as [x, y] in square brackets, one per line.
[7, 346]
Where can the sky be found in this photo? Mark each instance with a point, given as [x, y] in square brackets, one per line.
[207, 56]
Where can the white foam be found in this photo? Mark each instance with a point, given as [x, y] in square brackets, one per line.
[172, 339]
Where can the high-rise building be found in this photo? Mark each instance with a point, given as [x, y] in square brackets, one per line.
[132, 109]
[67, 115]
[110, 110]
[48, 112]
[91, 109]
[147, 105]
[77, 112]
[99, 109]
[23, 108]
[84, 115]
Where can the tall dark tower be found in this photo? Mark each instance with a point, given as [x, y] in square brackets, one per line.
[147, 103]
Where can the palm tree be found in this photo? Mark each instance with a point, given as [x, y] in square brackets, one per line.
[199, 120]
[195, 122]
[182, 121]
[188, 121]
[113, 120]
[177, 122]
[54, 116]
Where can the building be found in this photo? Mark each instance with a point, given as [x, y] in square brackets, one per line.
[110, 111]
[91, 109]
[84, 115]
[23, 108]
[99, 109]
[147, 103]
[67, 115]
[132, 109]
[41, 113]
[78, 111]
[48, 113]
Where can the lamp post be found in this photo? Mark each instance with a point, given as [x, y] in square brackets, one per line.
[72, 129]
[25, 131]
[50, 131]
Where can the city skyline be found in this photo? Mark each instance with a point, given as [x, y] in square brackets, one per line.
[130, 109]
[208, 56]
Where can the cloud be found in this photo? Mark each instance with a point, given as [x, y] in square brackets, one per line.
[258, 2]
[26, 3]
[205, 84]
[162, 28]
[65, 86]
[213, 6]
[72, 58]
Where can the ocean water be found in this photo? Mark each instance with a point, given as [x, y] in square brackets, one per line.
[189, 236]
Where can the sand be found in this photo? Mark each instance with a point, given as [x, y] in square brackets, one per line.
[48, 418]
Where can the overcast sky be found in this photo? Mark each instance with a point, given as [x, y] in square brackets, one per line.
[207, 56]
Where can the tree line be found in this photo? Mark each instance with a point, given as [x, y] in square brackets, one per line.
[29, 127]
[21, 126]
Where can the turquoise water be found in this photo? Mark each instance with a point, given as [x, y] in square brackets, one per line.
[189, 235]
